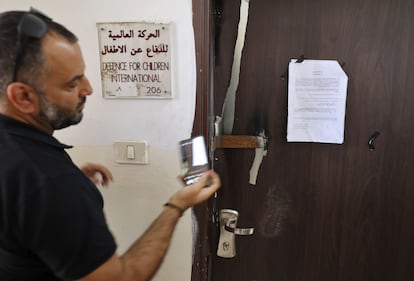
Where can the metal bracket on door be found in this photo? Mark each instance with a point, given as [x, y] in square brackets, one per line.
[228, 231]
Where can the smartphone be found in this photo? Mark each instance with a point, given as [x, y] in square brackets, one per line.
[194, 160]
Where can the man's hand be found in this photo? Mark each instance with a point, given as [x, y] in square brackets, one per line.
[97, 173]
[196, 193]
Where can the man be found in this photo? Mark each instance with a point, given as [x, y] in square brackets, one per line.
[52, 225]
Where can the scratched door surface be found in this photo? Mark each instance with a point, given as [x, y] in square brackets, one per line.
[320, 211]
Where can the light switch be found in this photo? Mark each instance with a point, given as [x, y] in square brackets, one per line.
[131, 152]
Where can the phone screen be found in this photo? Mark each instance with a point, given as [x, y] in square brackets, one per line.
[194, 160]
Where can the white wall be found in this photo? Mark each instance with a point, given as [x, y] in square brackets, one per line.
[138, 192]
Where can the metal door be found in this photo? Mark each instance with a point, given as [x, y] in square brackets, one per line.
[320, 211]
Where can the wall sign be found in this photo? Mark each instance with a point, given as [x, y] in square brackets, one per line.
[135, 60]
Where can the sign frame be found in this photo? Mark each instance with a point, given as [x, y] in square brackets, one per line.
[135, 60]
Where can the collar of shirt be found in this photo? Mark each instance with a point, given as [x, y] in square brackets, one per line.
[14, 127]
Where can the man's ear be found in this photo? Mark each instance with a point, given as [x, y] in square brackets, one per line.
[23, 97]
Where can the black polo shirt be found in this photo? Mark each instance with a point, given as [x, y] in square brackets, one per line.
[52, 225]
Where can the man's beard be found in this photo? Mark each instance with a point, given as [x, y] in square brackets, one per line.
[58, 117]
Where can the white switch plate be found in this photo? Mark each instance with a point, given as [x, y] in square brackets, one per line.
[140, 152]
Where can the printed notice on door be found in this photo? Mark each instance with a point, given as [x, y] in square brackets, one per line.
[135, 60]
[316, 101]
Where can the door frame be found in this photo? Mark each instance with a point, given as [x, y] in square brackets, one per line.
[203, 35]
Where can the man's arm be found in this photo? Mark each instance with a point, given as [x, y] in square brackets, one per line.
[144, 257]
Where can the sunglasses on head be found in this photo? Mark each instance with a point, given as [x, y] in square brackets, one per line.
[31, 26]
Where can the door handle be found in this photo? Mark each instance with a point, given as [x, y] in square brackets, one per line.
[228, 231]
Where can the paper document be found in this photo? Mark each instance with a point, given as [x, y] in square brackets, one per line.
[316, 101]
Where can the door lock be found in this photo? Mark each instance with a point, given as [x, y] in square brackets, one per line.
[228, 231]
